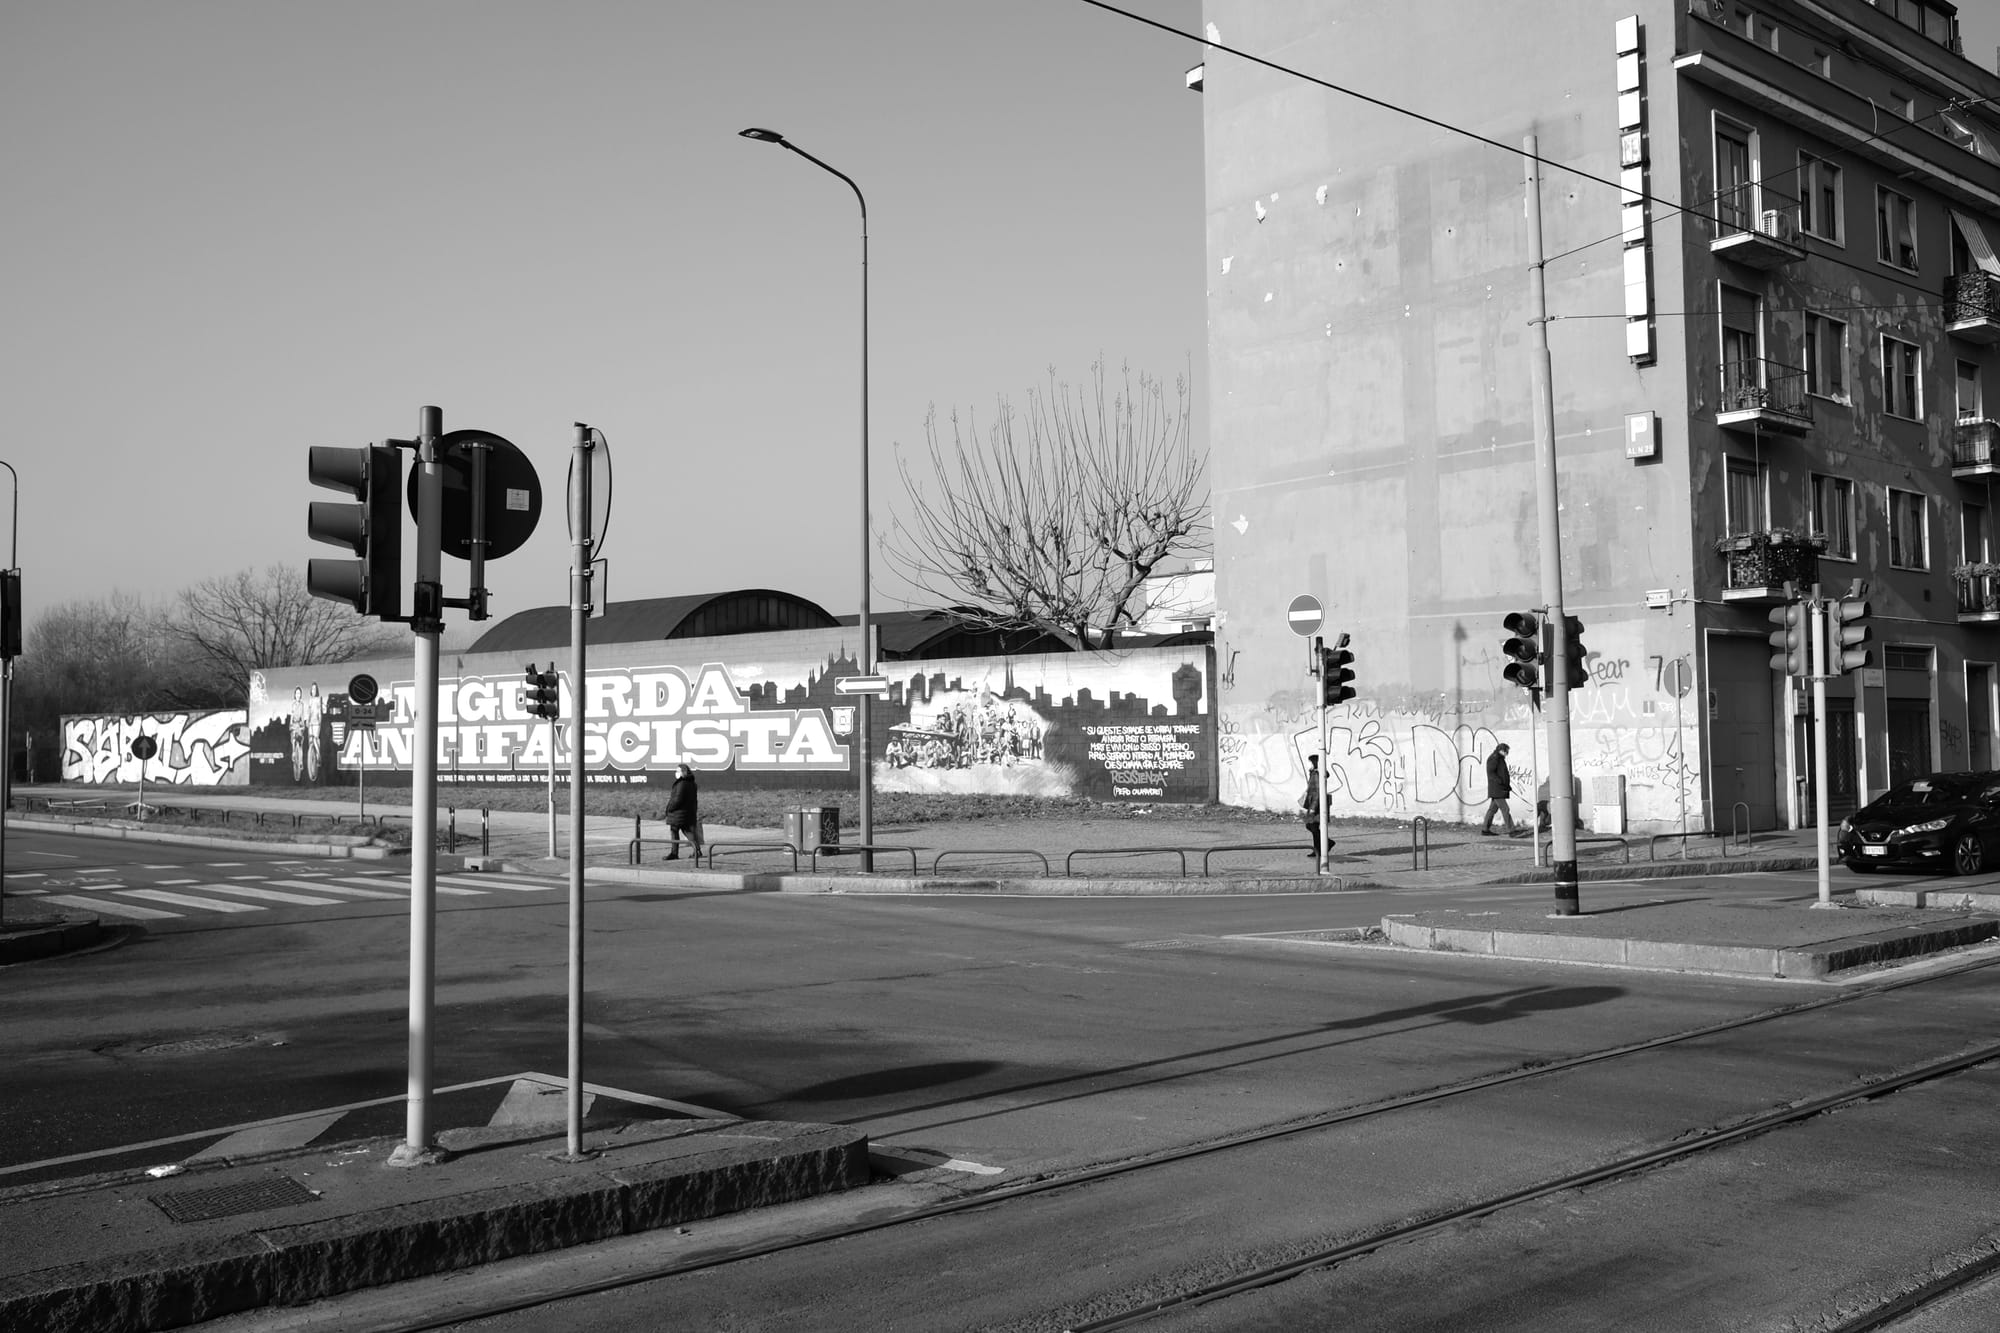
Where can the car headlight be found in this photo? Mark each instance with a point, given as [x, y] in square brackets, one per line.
[1928, 826]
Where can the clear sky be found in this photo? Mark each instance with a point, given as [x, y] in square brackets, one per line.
[237, 229]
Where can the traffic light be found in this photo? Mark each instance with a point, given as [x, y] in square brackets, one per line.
[1846, 635]
[1793, 642]
[1523, 649]
[1573, 652]
[373, 529]
[1334, 673]
[542, 691]
[10, 613]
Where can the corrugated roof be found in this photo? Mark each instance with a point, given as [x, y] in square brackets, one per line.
[743, 611]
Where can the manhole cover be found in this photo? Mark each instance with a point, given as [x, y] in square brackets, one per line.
[229, 1200]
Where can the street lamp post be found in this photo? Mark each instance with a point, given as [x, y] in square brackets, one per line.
[866, 757]
[7, 695]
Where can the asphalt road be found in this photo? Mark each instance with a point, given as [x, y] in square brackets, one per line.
[1029, 1037]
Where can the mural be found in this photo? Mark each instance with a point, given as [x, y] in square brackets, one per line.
[1636, 719]
[762, 710]
[207, 749]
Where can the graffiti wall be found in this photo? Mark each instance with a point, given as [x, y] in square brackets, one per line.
[207, 749]
[1129, 726]
[1638, 719]
[763, 710]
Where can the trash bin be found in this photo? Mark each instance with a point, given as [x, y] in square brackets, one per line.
[810, 826]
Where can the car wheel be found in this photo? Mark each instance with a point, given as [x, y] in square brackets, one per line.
[1860, 867]
[1968, 855]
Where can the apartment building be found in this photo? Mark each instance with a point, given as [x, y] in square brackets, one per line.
[1774, 328]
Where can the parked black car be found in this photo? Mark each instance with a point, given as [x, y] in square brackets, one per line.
[1945, 821]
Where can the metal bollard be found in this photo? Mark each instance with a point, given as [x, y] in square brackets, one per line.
[451, 828]
[638, 833]
[485, 833]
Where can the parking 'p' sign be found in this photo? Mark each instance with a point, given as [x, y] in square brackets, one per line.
[1304, 615]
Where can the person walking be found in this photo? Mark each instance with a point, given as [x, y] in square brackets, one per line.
[1309, 804]
[682, 814]
[1499, 786]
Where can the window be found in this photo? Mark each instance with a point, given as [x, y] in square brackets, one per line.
[1742, 366]
[1972, 532]
[1819, 197]
[1900, 378]
[1909, 545]
[1970, 408]
[1826, 357]
[1745, 497]
[1735, 199]
[1895, 228]
[1833, 514]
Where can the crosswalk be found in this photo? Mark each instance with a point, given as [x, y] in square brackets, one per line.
[236, 894]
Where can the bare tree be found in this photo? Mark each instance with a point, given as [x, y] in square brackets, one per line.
[238, 623]
[1054, 519]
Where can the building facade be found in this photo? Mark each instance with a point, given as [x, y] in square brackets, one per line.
[1773, 305]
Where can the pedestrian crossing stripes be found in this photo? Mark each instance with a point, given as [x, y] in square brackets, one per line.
[239, 894]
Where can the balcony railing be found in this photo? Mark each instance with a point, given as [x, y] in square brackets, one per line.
[1972, 448]
[1760, 564]
[1757, 392]
[1757, 226]
[1972, 306]
[1978, 592]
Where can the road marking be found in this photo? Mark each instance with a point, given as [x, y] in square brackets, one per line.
[18, 893]
[27, 874]
[189, 900]
[272, 895]
[132, 910]
[321, 886]
[229, 865]
[494, 882]
[271, 1138]
[171, 881]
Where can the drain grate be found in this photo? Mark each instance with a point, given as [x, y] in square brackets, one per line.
[229, 1200]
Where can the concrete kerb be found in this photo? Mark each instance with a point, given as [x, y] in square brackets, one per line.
[358, 850]
[523, 1203]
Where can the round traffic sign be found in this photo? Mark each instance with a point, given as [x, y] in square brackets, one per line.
[513, 494]
[144, 747]
[1304, 615]
[362, 689]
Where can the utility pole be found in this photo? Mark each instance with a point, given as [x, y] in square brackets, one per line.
[579, 580]
[1562, 785]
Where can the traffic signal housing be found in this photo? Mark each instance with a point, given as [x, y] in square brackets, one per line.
[1335, 673]
[1573, 653]
[1793, 642]
[542, 691]
[1846, 634]
[1523, 649]
[372, 529]
[10, 613]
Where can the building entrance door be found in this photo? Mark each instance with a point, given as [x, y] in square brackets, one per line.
[1742, 732]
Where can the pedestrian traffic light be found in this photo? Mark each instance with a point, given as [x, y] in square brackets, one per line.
[1335, 673]
[1846, 634]
[1523, 649]
[1793, 642]
[10, 613]
[372, 529]
[542, 691]
[1573, 653]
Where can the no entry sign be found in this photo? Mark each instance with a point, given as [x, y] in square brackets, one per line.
[1304, 615]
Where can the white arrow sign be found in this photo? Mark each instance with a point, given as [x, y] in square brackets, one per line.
[861, 685]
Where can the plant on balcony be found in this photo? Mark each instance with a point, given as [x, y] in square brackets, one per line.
[1978, 585]
[1768, 558]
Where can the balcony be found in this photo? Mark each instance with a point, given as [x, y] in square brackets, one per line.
[1972, 307]
[1756, 227]
[1760, 564]
[1764, 395]
[1978, 593]
[1972, 448]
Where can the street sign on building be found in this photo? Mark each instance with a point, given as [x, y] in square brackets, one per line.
[876, 685]
[1304, 615]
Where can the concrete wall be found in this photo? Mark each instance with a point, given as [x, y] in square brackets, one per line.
[200, 749]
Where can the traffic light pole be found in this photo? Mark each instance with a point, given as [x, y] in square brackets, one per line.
[579, 571]
[1820, 667]
[418, 1147]
[1562, 787]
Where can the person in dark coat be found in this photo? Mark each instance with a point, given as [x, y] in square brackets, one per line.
[1499, 786]
[682, 814]
[1309, 804]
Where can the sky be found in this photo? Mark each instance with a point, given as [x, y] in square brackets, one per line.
[237, 230]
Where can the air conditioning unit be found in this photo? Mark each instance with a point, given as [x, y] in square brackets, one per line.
[1779, 224]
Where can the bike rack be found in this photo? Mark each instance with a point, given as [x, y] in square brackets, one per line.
[1738, 826]
[1245, 847]
[837, 848]
[990, 851]
[1420, 823]
[1181, 852]
[715, 849]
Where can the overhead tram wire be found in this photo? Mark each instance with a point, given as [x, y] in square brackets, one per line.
[1449, 128]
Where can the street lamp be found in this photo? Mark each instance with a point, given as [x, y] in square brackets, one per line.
[7, 691]
[867, 640]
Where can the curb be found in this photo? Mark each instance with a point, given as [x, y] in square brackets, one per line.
[20, 943]
[89, 830]
[1663, 869]
[198, 1280]
[1811, 962]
